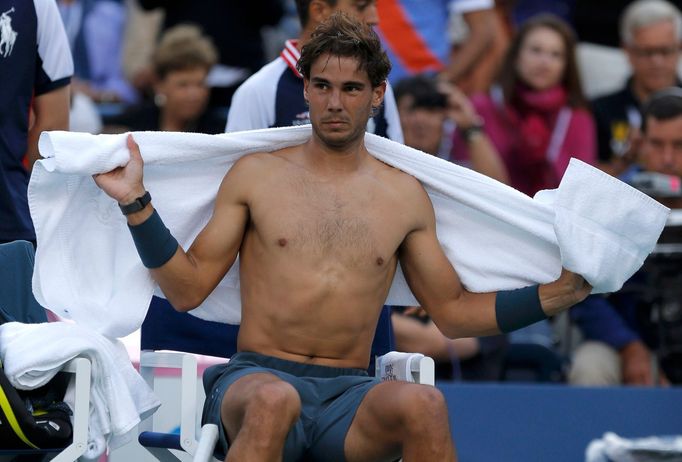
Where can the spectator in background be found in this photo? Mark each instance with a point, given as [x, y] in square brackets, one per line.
[416, 36]
[625, 332]
[95, 32]
[235, 28]
[651, 35]
[537, 116]
[430, 111]
[35, 73]
[480, 37]
[139, 42]
[181, 64]
[273, 97]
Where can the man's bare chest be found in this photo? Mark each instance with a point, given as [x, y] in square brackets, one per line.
[355, 223]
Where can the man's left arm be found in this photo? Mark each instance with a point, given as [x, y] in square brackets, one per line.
[52, 77]
[482, 26]
[51, 113]
[460, 313]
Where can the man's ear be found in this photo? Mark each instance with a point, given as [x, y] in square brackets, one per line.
[378, 93]
[306, 82]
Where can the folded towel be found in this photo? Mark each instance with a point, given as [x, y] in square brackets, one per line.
[33, 353]
[496, 237]
[594, 210]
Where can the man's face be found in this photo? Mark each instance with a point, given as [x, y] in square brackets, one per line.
[341, 98]
[422, 127]
[662, 146]
[362, 10]
[653, 55]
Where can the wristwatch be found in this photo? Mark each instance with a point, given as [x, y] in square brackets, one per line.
[472, 131]
[136, 205]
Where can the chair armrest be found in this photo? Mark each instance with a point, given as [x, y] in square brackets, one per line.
[410, 367]
[81, 368]
[187, 363]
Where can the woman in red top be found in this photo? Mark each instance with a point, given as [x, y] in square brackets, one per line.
[536, 115]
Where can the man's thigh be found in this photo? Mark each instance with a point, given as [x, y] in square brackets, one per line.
[378, 429]
[226, 404]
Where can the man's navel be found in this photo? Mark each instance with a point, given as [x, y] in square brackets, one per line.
[282, 242]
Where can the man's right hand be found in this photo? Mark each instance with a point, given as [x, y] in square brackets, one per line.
[124, 184]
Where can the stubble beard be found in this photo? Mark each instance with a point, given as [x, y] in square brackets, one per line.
[340, 144]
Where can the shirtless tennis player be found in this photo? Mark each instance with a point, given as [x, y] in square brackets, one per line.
[320, 229]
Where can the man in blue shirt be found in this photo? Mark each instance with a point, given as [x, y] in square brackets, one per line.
[35, 71]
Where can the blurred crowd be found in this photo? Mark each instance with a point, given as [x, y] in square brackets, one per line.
[511, 88]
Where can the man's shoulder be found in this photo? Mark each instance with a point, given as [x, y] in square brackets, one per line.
[402, 185]
[254, 161]
[266, 75]
[264, 161]
[253, 103]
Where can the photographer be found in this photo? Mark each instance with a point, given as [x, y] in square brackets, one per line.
[431, 110]
[632, 336]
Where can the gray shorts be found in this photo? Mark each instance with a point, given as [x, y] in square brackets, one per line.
[330, 397]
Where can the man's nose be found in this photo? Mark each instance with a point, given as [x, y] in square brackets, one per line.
[334, 101]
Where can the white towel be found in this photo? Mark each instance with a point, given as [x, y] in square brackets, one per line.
[612, 447]
[496, 237]
[33, 353]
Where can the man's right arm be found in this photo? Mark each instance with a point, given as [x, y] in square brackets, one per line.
[186, 278]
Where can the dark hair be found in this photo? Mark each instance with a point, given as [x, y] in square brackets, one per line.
[303, 7]
[183, 47]
[342, 36]
[663, 105]
[508, 76]
[424, 91]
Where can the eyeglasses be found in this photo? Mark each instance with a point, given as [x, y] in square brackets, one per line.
[650, 52]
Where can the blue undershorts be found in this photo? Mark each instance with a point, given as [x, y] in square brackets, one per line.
[330, 397]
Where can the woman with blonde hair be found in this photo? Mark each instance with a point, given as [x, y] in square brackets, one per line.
[181, 64]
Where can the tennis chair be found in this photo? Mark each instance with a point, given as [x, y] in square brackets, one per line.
[166, 329]
[18, 304]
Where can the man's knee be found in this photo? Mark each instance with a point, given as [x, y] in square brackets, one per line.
[423, 404]
[269, 405]
[277, 398]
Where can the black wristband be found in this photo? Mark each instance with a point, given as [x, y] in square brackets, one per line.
[518, 308]
[154, 242]
[470, 132]
[137, 205]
